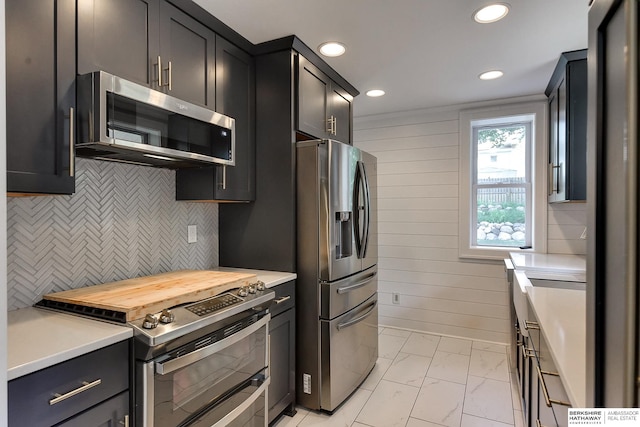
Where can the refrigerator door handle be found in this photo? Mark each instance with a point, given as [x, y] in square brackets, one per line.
[359, 284]
[361, 184]
[359, 318]
[367, 210]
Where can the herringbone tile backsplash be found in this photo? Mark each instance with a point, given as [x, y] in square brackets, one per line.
[122, 222]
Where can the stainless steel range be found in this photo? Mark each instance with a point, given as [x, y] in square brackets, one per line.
[204, 363]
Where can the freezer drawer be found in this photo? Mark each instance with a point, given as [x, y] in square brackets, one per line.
[343, 295]
[349, 350]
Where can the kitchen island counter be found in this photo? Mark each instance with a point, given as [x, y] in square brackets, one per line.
[39, 338]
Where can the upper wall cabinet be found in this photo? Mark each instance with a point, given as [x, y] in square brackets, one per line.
[324, 108]
[40, 95]
[235, 97]
[567, 93]
[150, 42]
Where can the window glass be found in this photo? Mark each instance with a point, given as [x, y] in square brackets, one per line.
[501, 185]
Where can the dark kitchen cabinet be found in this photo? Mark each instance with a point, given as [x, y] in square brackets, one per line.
[40, 96]
[262, 234]
[150, 42]
[188, 57]
[235, 97]
[324, 108]
[282, 359]
[120, 37]
[567, 94]
[96, 383]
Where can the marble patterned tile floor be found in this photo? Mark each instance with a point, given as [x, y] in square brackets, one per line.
[425, 380]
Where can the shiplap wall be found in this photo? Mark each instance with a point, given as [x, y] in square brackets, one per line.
[418, 230]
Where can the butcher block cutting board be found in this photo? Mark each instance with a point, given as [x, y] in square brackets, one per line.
[151, 294]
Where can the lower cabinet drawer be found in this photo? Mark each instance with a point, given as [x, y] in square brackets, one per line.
[112, 413]
[61, 391]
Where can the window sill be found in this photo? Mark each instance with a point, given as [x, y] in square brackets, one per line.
[489, 252]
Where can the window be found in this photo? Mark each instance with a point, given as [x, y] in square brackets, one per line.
[501, 189]
[502, 163]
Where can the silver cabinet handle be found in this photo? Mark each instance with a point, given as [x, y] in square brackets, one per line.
[72, 151]
[85, 386]
[528, 324]
[224, 177]
[345, 289]
[125, 421]
[527, 352]
[335, 125]
[545, 392]
[283, 299]
[169, 72]
[330, 125]
[550, 179]
[159, 80]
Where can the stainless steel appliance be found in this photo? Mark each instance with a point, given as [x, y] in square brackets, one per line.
[123, 121]
[204, 363]
[336, 294]
[209, 366]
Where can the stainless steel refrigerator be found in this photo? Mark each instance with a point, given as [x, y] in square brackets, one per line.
[613, 254]
[336, 291]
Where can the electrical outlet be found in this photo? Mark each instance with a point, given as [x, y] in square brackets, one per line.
[192, 234]
[395, 298]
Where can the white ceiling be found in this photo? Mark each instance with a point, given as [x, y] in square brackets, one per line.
[423, 53]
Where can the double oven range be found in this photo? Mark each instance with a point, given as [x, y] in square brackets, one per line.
[204, 363]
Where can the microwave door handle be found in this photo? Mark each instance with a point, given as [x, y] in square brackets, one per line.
[190, 358]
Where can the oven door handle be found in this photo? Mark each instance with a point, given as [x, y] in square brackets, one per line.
[244, 405]
[189, 358]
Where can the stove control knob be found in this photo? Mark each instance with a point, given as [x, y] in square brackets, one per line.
[252, 289]
[243, 292]
[260, 286]
[150, 321]
[167, 316]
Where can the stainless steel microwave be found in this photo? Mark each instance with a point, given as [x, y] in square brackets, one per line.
[123, 121]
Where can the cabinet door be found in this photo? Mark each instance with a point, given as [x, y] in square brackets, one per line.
[187, 52]
[110, 413]
[235, 97]
[342, 113]
[313, 87]
[235, 93]
[281, 367]
[40, 95]
[119, 37]
[553, 147]
[561, 165]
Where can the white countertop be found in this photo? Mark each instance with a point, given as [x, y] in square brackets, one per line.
[270, 278]
[571, 268]
[39, 338]
[561, 314]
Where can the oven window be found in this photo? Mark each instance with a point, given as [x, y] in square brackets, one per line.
[242, 359]
[133, 121]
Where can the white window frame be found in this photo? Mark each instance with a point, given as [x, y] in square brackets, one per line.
[468, 119]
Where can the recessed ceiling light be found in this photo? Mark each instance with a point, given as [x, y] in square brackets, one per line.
[375, 93]
[492, 13]
[332, 49]
[490, 75]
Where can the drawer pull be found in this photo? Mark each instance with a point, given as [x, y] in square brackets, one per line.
[527, 352]
[125, 421]
[84, 387]
[528, 324]
[283, 299]
[547, 400]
